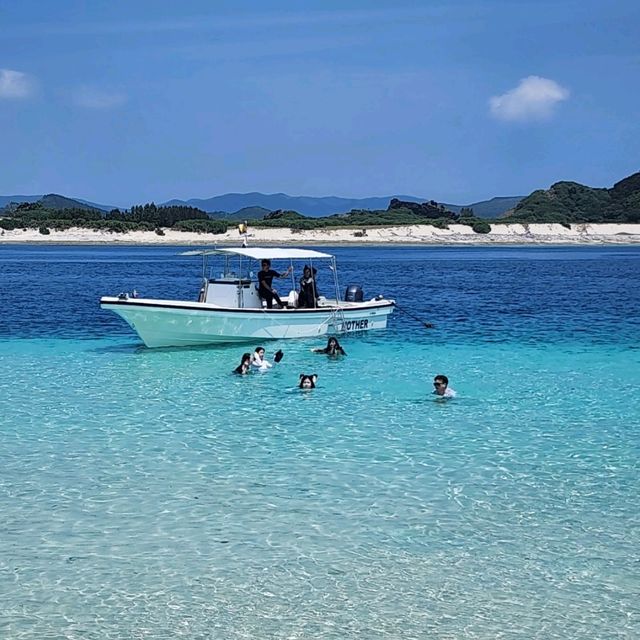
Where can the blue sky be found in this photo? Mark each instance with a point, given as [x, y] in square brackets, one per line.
[123, 102]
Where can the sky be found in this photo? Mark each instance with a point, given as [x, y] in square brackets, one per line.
[123, 102]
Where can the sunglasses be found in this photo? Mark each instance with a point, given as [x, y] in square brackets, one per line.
[438, 384]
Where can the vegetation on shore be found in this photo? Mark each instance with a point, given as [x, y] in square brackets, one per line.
[567, 202]
[563, 203]
[150, 217]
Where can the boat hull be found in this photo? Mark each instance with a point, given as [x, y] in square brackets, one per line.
[165, 323]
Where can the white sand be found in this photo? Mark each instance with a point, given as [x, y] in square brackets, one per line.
[415, 234]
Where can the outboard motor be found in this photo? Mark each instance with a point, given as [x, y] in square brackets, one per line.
[353, 293]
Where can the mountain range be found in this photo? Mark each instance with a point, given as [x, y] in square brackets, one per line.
[326, 206]
[564, 202]
[254, 203]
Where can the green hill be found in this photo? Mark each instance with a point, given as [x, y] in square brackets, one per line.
[427, 213]
[249, 213]
[55, 202]
[50, 202]
[573, 202]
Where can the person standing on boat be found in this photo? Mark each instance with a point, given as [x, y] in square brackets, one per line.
[308, 295]
[265, 280]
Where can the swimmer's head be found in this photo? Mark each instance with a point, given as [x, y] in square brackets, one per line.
[333, 345]
[260, 352]
[308, 382]
[440, 383]
[246, 359]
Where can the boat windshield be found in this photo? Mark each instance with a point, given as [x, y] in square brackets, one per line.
[229, 268]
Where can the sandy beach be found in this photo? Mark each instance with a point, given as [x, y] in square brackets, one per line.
[456, 234]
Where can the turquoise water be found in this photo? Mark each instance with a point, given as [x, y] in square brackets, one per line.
[151, 494]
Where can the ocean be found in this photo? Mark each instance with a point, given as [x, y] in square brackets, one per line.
[152, 494]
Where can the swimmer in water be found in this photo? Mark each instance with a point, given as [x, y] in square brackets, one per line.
[258, 361]
[333, 348]
[245, 365]
[308, 382]
[441, 387]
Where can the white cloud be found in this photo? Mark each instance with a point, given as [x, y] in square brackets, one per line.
[535, 98]
[15, 84]
[95, 98]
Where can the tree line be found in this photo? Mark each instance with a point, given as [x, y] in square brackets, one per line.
[147, 217]
[150, 217]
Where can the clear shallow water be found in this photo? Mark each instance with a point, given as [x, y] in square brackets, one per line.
[152, 494]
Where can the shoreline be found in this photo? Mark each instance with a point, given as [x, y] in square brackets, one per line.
[414, 235]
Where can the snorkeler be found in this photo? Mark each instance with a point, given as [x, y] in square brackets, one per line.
[245, 365]
[308, 382]
[333, 348]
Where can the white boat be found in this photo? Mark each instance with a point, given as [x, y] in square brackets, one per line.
[229, 308]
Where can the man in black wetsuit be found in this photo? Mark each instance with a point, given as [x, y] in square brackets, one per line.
[265, 279]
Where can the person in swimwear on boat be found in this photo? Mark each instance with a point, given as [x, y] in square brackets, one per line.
[308, 296]
[333, 348]
[265, 281]
[245, 365]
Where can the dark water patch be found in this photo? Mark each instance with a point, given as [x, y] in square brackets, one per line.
[470, 294]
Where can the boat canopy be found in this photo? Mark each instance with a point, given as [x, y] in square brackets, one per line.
[263, 253]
